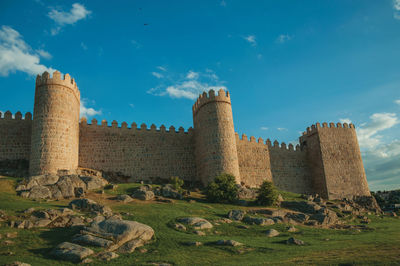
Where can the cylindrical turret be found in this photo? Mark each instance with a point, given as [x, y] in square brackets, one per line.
[55, 128]
[215, 141]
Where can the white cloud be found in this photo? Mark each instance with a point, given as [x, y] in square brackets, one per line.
[283, 38]
[368, 135]
[223, 3]
[187, 86]
[84, 46]
[397, 101]
[136, 44]
[264, 128]
[282, 129]
[132, 105]
[62, 18]
[251, 39]
[17, 55]
[87, 111]
[44, 54]
[345, 120]
[193, 75]
[157, 75]
[162, 68]
[396, 7]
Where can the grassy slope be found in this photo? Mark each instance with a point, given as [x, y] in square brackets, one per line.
[381, 246]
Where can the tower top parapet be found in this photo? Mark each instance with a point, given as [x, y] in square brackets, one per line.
[205, 98]
[67, 81]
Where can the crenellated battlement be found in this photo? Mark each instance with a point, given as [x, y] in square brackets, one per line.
[314, 128]
[211, 96]
[134, 127]
[17, 116]
[268, 143]
[56, 79]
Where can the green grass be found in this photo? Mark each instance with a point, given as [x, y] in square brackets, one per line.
[324, 246]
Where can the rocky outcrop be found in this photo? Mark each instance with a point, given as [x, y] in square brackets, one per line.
[236, 215]
[59, 187]
[71, 252]
[196, 222]
[90, 206]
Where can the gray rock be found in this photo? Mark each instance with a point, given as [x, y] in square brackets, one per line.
[325, 217]
[124, 198]
[41, 180]
[199, 233]
[246, 193]
[42, 223]
[20, 188]
[76, 221]
[197, 222]
[180, 227]
[232, 243]
[121, 232]
[169, 192]
[94, 182]
[89, 205]
[258, 221]
[301, 206]
[144, 194]
[29, 211]
[39, 192]
[272, 233]
[17, 263]
[92, 241]
[292, 229]
[298, 217]
[55, 192]
[79, 192]
[107, 256]
[193, 243]
[294, 241]
[71, 252]
[237, 215]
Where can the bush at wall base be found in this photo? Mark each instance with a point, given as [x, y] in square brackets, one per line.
[223, 189]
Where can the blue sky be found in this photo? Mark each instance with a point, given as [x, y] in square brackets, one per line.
[287, 64]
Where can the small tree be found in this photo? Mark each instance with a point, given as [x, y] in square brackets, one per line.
[176, 183]
[267, 194]
[223, 189]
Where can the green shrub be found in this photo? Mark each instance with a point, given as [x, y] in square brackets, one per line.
[223, 189]
[267, 194]
[176, 182]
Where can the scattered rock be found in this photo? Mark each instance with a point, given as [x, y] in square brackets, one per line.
[237, 215]
[39, 192]
[246, 193]
[193, 243]
[272, 233]
[143, 194]
[124, 198]
[325, 217]
[87, 261]
[169, 192]
[298, 217]
[107, 256]
[294, 241]
[92, 241]
[292, 229]
[11, 235]
[199, 233]
[8, 242]
[29, 211]
[258, 221]
[242, 226]
[180, 227]
[196, 222]
[17, 263]
[301, 206]
[232, 243]
[89, 205]
[71, 252]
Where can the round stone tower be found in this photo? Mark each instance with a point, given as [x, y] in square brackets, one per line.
[55, 128]
[215, 141]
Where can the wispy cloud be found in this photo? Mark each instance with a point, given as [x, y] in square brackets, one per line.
[136, 44]
[87, 111]
[282, 129]
[17, 55]
[44, 54]
[131, 105]
[63, 18]
[251, 39]
[397, 101]
[162, 68]
[264, 128]
[222, 3]
[345, 120]
[396, 7]
[368, 136]
[84, 46]
[157, 75]
[187, 86]
[283, 38]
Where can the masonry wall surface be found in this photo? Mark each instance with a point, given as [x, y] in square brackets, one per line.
[215, 139]
[254, 161]
[15, 136]
[55, 127]
[344, 170]
[142, 154]
[289, 168]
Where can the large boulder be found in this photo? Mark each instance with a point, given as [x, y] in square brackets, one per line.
[71, 252]
[237, 215]
[169, 192]
[197, 222]
[94, 182]
[90, 205]
[301, 206]
[259, 221]
[39, 192]
[92, 241]
[325, 217]
[144, 194]
[126, 235]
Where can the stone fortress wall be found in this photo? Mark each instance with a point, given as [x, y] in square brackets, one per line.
[327, 161]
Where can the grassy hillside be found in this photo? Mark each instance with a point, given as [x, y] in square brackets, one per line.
[381, 245]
